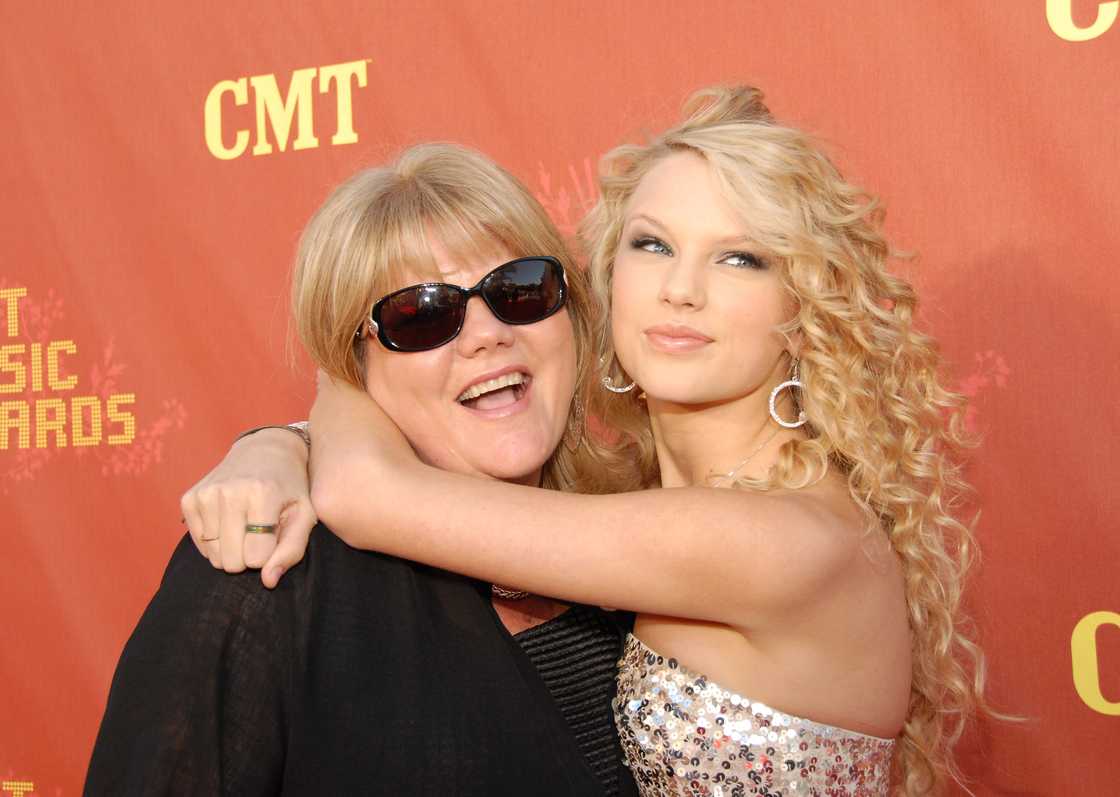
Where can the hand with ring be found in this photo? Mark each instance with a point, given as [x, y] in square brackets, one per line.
[253, 510]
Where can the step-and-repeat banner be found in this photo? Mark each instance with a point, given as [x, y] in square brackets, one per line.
[159, 160]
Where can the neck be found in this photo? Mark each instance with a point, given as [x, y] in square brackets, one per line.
[696, 441]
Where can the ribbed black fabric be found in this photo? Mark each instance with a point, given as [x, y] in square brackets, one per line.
[577, 656]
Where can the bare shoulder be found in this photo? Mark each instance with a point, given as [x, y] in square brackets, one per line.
[821, 520]
[827, 509]
[842, 536]
[815, 538]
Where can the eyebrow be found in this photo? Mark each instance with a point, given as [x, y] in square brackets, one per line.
[729, 241]
[650, 219]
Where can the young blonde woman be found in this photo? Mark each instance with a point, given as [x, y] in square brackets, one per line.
[799, 632]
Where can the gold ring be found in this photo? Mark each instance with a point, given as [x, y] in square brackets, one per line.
[260, 528]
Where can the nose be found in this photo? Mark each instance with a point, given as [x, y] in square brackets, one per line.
[683, 283]
[482, 331]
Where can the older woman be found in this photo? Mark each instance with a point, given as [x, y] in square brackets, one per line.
[799, 632]
[363, 673]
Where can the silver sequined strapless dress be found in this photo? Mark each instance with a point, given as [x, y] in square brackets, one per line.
[684, 735]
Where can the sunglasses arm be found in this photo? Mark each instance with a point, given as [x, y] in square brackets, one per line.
[367, 327]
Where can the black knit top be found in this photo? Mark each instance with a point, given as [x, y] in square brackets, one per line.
[577, 655]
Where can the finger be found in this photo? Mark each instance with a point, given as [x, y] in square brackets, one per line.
[209, 527]
[232, 543]
[192, 520]
[264, 510]
[259, 547]
[297, 521]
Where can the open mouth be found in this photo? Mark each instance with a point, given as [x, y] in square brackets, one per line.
[494, 394]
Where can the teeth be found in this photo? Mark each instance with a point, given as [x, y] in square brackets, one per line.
[490, 385]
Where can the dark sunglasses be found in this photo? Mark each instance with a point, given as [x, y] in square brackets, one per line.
[426, 316]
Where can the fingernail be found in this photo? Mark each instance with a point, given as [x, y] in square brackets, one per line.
[275, 574]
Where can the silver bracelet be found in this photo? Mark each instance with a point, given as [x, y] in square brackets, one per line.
[296, 427]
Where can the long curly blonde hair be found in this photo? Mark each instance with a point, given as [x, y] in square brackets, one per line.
[877, 410]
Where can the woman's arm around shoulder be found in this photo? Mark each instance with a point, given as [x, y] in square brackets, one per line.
[729, 556]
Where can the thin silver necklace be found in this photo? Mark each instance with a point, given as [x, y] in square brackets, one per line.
[731, 474]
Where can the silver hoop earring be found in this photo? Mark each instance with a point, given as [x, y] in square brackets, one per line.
[791, 383]
[609, 385]
[615, 389]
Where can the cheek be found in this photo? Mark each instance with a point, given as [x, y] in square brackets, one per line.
[626, 299]
[626, 289]
[753, 321]
[553, 344]
[408, 387]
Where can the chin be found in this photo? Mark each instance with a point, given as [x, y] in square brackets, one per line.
[691, 397]
[515, 462]
[681, 391]
[513, 471]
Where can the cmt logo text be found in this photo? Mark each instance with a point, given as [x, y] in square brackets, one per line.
[1059, 14]
[277, 114]
[1086, 663]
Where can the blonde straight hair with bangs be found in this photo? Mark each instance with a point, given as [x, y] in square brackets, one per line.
[379, 224]
[877, 409]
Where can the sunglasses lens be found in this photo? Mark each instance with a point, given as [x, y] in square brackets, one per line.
[423, 317]
[525, 291]
[427, 316]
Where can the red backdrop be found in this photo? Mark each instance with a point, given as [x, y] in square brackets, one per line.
[144, 279]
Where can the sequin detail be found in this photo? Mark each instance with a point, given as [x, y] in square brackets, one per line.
[684, 736]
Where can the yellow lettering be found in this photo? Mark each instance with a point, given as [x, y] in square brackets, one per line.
[10, 366]
[36, 367]
[212, 119]
[1059, 14]
[281, 113]
[1086, 667]
[20, 420]
[45, 425]
[78, 435]
[18, 788]
[11, 297]
[53, 350]
[125, 418]
[341, 75]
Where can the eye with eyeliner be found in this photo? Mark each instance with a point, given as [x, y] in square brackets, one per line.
[747, 260]
[735, 259]
[649, 243]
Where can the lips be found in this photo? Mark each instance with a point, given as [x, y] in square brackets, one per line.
[479, 389]
[497, 393]
[675, 338]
